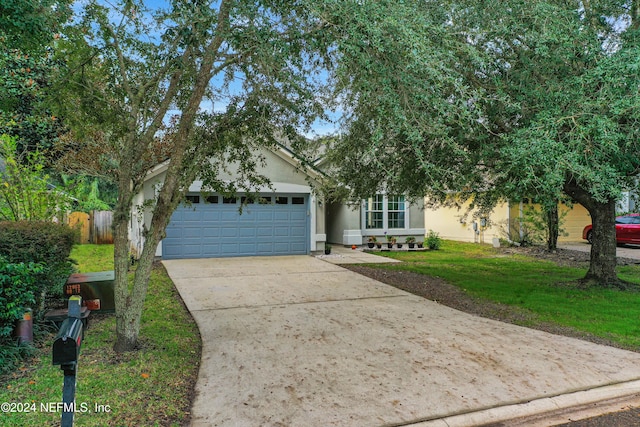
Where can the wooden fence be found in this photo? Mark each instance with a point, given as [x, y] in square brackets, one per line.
[95, 228]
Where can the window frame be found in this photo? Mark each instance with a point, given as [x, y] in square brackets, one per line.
[383, 224]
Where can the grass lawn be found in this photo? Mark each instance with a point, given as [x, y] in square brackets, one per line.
[150, 387]
[540, 287]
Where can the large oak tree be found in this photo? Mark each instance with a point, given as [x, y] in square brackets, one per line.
[498, 98]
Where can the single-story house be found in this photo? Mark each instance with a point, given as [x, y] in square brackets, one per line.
[286, 219]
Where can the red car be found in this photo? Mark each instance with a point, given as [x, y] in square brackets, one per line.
[627, 230]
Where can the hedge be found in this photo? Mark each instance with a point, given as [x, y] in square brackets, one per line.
[40, 242]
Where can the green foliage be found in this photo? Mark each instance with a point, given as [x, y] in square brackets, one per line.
[534, 225]
[86, 192]
[24, 188]
[44, 243]
[28, 29]
[18, 290]
[433, 240]
[30, 24]
[24, 112]
[91, 258]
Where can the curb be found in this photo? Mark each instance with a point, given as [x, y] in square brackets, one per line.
[547, 411]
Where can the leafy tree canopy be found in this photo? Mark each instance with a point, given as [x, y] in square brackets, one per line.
[497, 99]
[28, 29]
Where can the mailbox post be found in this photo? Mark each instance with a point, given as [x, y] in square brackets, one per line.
[66, 349]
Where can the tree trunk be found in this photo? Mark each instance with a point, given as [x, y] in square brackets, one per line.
[602, 263]
[126, 321]
[553, 226]
[129, 313]
[603, 250]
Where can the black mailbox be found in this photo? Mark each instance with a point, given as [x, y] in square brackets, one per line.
[66, 346]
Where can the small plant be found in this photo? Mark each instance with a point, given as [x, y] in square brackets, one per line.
[410, 239]
[433, 240]
[371, 241]
[390, 240]
[327, 249]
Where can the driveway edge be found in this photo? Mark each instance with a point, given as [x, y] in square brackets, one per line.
[547, 411]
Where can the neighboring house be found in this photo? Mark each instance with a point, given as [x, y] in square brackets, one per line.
[629, 202]
[287, 219]
[503, 222]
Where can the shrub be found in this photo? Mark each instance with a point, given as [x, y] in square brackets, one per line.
[41, 242]
[18, 290]
[433, 240]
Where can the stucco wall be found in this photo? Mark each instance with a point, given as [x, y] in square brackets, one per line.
[341, 217]
[451, 223]
[275, 167]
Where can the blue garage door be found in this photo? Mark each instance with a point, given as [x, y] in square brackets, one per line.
[213, 227]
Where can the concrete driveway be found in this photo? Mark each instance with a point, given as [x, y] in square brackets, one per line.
[626, 251]
[296, 341]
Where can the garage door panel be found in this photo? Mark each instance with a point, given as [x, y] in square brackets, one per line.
[219, 230]
[264, 216]
[247, 232]
[264, 232]
[281, 247]
[281, 216]
[281, 232]
[191, 216]
[248, 247]
[210, 247]
[210, 232]
[229, 215]
[298, 231]
[192, 231]
[297, 247]
[227, 231]
[264, 248]
[173, 232]
[299, 216]
[190, 249]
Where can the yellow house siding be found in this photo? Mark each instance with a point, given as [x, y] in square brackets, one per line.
[575, 221]
[451, 224]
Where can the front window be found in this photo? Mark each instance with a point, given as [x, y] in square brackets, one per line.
[385, 212]
[395, 212]
[375, 212]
